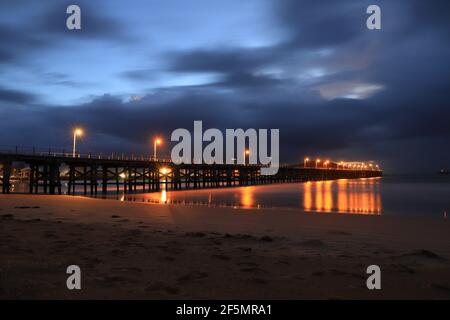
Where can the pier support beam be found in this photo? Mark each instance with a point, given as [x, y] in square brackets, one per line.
[6, 176]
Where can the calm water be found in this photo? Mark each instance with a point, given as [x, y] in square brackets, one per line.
[390, 195]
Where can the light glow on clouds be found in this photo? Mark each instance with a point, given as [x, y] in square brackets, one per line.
[349, 90]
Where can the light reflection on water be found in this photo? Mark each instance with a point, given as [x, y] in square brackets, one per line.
[348, 196]
[426, 195]
[360, 196]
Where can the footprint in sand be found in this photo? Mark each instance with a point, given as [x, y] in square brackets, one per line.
[266, 239]
[132, 233]
[336, 272]
[220, 257]
[193, 275]
[248, 264]
[134, 270]
[50, 235]
[258, 281]
[253, 269]
[92, 260]
[313, 243]
[117, 252]
[174, 250]
[216, 242]
[168, 258]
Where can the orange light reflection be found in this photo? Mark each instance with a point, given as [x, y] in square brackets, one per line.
[345, 196]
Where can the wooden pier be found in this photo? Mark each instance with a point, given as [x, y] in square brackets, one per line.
[90, 174]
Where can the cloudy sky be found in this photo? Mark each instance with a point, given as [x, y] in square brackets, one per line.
[312, 69]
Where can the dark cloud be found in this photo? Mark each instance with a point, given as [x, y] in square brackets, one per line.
[325, 24]
[16, 41]
[46, 28]
[14, 96]
[222, 59]
[300, 84]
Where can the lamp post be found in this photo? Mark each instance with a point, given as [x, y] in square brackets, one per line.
[246, 154]
[305, 161]
[156, 142]
[77, 132]
[317, 162]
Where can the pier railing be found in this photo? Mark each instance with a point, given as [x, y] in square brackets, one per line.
[61, 153]
[48, 168]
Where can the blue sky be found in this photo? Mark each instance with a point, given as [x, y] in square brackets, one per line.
[310, 68]
[142, 33]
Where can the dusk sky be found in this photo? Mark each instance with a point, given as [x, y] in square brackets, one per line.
[310, 68]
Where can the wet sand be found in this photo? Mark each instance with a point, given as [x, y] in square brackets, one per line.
[130, 250]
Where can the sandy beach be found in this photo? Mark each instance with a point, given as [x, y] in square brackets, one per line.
[132, 250]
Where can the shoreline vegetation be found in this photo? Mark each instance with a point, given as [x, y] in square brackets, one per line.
[132, 250]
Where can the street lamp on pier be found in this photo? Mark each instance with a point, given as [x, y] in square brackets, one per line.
[156, 142]
[305, 161]
[246, 155]
[77, 132]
